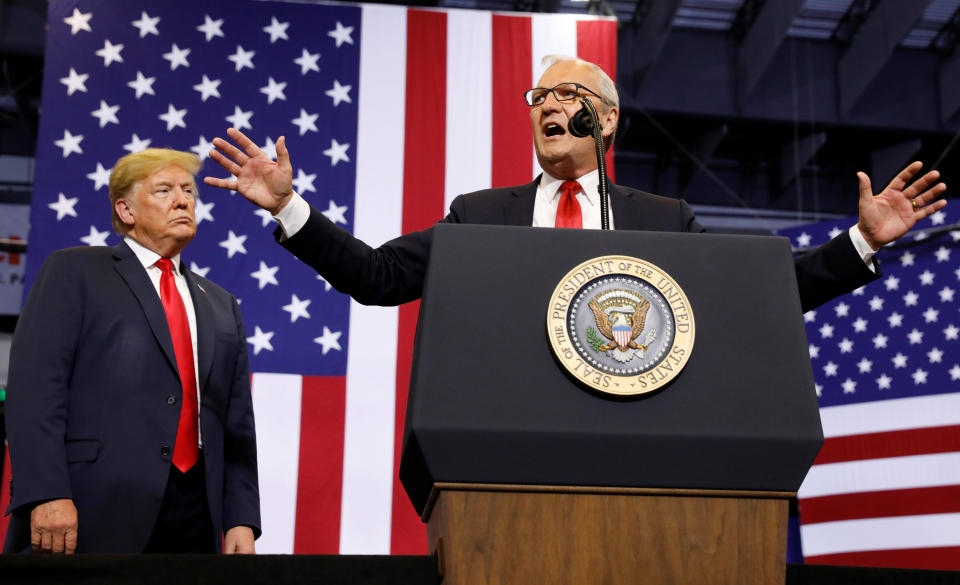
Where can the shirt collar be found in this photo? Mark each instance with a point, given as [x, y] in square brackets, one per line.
[148, 257]
[549, 187]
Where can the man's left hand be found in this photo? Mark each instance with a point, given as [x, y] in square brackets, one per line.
[239, 541]
[891, 213]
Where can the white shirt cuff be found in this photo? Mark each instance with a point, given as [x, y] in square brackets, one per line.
[293, 216]
[862, 247]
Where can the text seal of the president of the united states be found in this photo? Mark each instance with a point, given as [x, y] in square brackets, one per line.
[620, 325]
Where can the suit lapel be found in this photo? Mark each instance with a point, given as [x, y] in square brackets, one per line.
[133, 273]
[518, 209]
[205, 327]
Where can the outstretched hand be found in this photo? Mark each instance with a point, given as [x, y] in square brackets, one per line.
[264, 183]
[895, 210]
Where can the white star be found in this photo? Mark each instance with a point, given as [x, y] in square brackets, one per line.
[277, 30]
[64, 206]
[265, 216]
[803, 240]
[266, 275]
[920, 236]
[891, 282]
[858, 292]
[926, 278]
[876, 303]
[951, 332]
[242, 58]
[274, 90]
[260, 340]
[329, 340]
[895, 319]
[194, 267]
[943, 254]
[339, 93]
[849, 386]
[306, 122]
[107, 114]
[819, 389]
[830, 369]
[110, 53]
[814, 351]
[95, 237]
[100, 177]
[342, 34]
[915, 336]
[337, 152]
[957, 271]
[270, 149]
[809, 316]
[860, 325]
[240, 119]
[864, 365]
[211, 28]
[208, 87]
[304, 182]
[203, 147]
[136, 145]
[336, 213]
[919, 376]
[907, 259]
[142, 85]
[899, 361]
[174, 117]
[938, 218]
[147, 25]
[79, 21]
[846, 346]
[326, 285]
[955, 236]
[234, 244]
[883, 382]
[835, 232]
[955, 372]
[203, 211]
[946, 294]
[910, 299]
[880, 341]
[297, 308]
[931, 315]
[177, 57]
[70, 143]
[935, 356]
[307, 62]
[826, 330]
[843, 309]
[75, 81]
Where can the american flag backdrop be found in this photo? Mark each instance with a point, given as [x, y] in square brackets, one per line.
[389, 113]
[885, 488]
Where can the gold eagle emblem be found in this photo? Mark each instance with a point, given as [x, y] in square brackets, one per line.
[620, 316]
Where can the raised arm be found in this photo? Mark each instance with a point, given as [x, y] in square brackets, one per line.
[263, 182]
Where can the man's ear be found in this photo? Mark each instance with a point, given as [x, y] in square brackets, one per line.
[124, 211]
[609, 120]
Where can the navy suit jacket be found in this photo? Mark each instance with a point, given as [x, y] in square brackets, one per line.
[394, 272]
[94, 398]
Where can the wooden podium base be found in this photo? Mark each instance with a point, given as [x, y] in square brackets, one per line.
[524, 535]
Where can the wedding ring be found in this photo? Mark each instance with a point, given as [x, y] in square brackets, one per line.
[914, 203]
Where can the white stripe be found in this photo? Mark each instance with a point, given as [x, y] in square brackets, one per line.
[926, 531]
[372, 357]
[276, 407]
[889, 473]
[891, 415]
[551, 34]
[469, 150]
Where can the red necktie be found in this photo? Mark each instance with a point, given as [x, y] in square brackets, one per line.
[568, 210]
[186, 449]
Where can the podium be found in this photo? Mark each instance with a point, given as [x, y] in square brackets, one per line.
[523, 475]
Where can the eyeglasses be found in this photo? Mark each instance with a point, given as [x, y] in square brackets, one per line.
[563, 92]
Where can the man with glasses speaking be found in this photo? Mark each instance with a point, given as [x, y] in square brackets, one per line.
[565, 195]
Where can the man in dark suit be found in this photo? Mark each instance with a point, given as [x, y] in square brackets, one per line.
[565, 195]
[129, 412]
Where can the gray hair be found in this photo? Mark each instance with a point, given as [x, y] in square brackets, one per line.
[607, 89]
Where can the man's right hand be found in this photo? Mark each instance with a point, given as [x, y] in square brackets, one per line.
[53, 527]
[265, 183]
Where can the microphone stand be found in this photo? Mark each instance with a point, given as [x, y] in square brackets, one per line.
[585, 122]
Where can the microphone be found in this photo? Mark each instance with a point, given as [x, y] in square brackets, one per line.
[581, 124]
[586, 122]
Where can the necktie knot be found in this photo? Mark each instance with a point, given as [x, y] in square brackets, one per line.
[165, 265]
[571, 187]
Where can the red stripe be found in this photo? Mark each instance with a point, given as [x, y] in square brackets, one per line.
[597, 43]
[945, 558]
[320, 481]
[4, 493]
[906, 502]
[512, 68]
[890, 444]
[423, 189]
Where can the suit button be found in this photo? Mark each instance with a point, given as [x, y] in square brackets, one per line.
[164, 450]
[171, 399]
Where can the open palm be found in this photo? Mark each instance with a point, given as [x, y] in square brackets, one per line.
[263, 182]
[886, 216]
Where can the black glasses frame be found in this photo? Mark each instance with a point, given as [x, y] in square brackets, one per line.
[528, 95]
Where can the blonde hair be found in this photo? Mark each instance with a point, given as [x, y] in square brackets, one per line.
[137, 166]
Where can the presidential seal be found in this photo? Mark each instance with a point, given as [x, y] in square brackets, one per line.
[620, 325]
